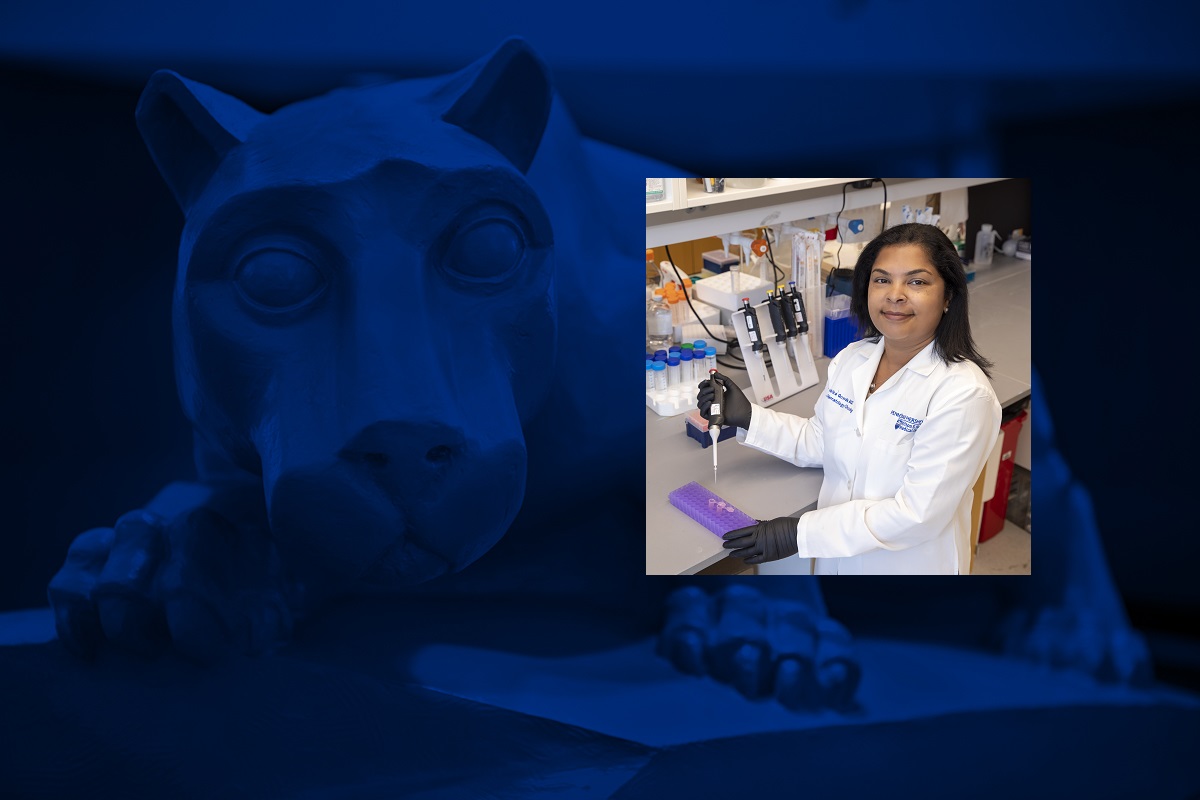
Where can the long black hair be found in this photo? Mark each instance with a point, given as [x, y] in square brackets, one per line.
[952, 339]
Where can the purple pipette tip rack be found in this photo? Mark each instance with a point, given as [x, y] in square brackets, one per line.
[708, 509]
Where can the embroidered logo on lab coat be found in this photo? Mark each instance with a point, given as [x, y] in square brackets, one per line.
[839, 400]
[904, 423]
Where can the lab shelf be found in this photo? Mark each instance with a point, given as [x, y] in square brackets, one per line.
[666, 204]
[696, 196]
[685, 193]
[690, 213]
[674, 196]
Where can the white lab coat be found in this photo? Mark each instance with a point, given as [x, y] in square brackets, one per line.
[899, 466]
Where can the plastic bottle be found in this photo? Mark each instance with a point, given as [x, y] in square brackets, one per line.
[984, 242]
[960, 240]
[655, 189]
[658, 323]
[1009, 248]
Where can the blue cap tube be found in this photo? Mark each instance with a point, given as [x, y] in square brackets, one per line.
[686, 363]
[660, 376]
[673, 372]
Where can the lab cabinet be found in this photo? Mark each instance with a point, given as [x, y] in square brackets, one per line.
[995, 510]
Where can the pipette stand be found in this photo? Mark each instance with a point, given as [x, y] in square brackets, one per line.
[786, 375]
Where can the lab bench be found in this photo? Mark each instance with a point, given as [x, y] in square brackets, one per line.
[766, 487]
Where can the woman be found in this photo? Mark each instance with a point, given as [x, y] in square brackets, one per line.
[902, 430]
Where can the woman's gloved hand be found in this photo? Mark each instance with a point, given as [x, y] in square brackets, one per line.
[767, 540]
[735, 406]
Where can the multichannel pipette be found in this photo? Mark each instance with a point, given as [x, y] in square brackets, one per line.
[714, 416]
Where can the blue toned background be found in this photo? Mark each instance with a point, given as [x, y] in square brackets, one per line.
[1094, 102]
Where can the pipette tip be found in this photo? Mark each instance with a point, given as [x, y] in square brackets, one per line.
[715, 432]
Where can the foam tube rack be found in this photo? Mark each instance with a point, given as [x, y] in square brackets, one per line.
[708, 509]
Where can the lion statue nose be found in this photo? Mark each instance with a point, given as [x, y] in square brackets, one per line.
[401, 502]
[416, 458]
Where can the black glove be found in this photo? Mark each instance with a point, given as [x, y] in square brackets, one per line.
[768, 540]
[735, 407]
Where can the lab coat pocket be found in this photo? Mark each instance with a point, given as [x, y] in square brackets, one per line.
[893, 441]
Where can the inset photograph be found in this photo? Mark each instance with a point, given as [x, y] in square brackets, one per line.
[838, 376]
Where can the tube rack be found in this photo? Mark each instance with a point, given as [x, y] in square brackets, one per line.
[708, 509]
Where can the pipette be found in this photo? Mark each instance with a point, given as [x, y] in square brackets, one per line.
[714, 416]
[755, 361]
[775, 312]
[782, 320]
[752, 329]
[793, 316]
[798, 307]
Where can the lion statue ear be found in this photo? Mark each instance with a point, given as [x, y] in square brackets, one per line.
[504, 99]
[188, 128]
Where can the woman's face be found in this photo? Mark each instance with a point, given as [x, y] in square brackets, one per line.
[905, 296]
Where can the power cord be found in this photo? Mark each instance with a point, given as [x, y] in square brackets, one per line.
[883, 223]
[730, 346]
[780, 274]
[863, 184]
[838, 220]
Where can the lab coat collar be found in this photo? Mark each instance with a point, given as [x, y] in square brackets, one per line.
[922, 363]
[865, 371]
[860, 379]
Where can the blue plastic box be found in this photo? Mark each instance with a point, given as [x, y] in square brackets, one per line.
[718, 261]
[697, 428]
[839, 333]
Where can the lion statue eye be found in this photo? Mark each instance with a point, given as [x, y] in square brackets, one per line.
[485, 251]
[277, 279]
